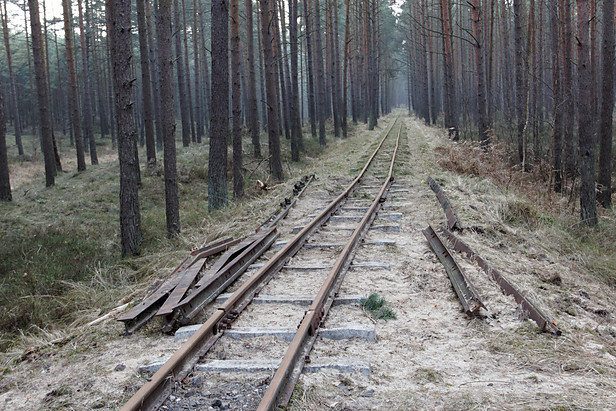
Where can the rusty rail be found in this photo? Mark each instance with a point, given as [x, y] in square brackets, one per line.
[298, 190]
[529, 308]
[453, 222]
[139, 315]
[461, 284]
[281, 387]
[155, 391]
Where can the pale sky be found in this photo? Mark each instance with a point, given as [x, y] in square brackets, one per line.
[16, 14]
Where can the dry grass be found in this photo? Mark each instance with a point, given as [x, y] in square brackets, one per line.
[513, 199]
[61, 267]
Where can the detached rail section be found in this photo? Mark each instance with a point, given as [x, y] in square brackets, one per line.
[152, 395]
[534, 313]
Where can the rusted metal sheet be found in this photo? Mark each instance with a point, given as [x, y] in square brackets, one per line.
[140, 314]
[191, 276]
[461, 284]
[543, 321]
[453, 222]
[283, 382]
[153, 393]
[214, 282]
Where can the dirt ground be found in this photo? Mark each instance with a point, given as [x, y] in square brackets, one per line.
[432, 356]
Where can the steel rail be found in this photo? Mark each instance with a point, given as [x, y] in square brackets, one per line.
[452, 218]
[507, 287]
[284, 380]
[140, 314]
[152, 394]
[284, 211]
[461, 284]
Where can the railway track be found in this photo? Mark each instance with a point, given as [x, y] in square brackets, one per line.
[308, 266]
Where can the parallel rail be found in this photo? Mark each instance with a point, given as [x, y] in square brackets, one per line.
[154, 392]
[281, 387]
[507, 287]
[461, 284]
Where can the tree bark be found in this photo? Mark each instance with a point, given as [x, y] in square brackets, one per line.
[5, 183]
[42, 91]
[312, 110]
[588, 204]
[483, 123]
[165, 60]
[320, 73]
[146, 84]
[557, 131]
[197, 73]
[217, 184]
[267, 38]
[253, 113]
[179, 57]
[296, 126]
[189, 99]
[347, 52]
[119, 31]
[607, 106]
[87, 103]
[236, 93]
[521, 92]
[9, 61]
[568, 87]
[448, 70]
[73, 100]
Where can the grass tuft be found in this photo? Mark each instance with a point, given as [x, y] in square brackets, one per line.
[377, 307]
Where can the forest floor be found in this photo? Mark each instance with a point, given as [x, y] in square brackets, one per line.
[432, 356]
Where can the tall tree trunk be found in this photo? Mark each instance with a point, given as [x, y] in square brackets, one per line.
[119, 31]
[607, 106]
[5, 183]
[87, 103]
[179, 57]
[197, 73]
[253, 113]
[334, 80]
[557, 136]
[520, 94]
[568, 86]
[9, 61]
[236, 93]
[347, 49]
[586, 129]
[154, 76]
[73, 100]
[165, 60]
[217, 184]
[296, 126]
[146, 83]
[448, 70]
[207, 106]
[320, 74]
[281, 88]
[267, 38]
[482, 118]
[42, 91]
[189, 99]
[312, 110]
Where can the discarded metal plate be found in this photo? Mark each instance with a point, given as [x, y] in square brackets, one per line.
[452, 218]
[140, 314]
[464, 288]
[190, 277]
[509, 289]
[215, 280]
